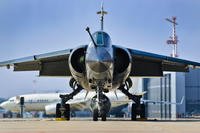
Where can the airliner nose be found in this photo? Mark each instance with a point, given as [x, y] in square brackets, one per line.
[3, 104]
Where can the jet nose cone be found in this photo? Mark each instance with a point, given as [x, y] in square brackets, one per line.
[100, 61]
[99, 66]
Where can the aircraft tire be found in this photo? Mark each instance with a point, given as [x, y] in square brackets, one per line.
[103, 117]
[58, 112]
[95, 115]
[133, 112]
[67, 111]
[142, 112]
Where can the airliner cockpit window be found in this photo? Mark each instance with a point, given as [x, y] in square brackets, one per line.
[101, 39]
[11, 99]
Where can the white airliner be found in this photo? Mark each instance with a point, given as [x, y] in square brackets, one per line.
[47, 102]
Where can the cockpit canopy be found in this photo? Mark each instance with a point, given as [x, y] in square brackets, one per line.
[101, 38]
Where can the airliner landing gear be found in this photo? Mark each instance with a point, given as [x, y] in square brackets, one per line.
[63, 109]
[100, 105]
[137, 108]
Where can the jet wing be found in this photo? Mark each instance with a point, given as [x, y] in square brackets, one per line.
[149, 64]
[48, 64]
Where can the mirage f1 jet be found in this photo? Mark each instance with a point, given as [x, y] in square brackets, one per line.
[101, 67]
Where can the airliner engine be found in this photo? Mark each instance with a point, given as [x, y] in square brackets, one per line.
[50, 109]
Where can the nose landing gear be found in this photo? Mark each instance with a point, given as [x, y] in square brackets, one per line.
[100, 105]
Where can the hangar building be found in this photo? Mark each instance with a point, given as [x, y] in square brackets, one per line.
[172, 87]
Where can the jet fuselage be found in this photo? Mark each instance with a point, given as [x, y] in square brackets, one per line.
[99, 61]
[100, 64]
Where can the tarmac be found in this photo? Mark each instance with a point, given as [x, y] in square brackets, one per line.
[86, 125]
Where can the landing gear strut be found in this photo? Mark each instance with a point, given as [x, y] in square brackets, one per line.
[137, 108]
[63, 109]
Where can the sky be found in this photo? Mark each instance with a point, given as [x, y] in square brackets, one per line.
[30, 27]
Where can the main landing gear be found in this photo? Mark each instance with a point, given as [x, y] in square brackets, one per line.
[63, 109]
[137, 108]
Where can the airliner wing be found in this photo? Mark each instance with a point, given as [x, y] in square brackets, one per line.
[164, 102]
[149, 64]
[48, 64]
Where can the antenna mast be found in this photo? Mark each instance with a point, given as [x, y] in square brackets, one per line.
[101, 13]
[174, 38]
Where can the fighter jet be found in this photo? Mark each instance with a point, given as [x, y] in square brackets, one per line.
[101, 67]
